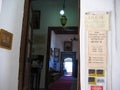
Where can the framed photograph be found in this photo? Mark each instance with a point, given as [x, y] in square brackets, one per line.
[5, 39]
[56, 54]
[67, 46]
[36, 19]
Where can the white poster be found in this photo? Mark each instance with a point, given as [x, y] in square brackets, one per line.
[97, 49]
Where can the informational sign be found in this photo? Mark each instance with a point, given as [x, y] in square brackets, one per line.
[96, 87]
[97, 49]
[96, 25]
[97, 21]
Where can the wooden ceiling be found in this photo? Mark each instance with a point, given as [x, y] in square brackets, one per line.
[65, 30]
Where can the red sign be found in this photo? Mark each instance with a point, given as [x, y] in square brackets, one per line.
[96, 87]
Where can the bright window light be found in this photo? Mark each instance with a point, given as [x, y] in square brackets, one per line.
[68, 66]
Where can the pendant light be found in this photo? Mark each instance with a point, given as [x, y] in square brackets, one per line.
[63, 18]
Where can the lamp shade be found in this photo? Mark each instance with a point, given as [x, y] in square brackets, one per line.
[63, 20]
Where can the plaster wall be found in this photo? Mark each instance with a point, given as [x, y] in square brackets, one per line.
[11, 16]
[116, 61]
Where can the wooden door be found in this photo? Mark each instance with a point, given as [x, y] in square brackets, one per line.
[28, 61]
[25, 49]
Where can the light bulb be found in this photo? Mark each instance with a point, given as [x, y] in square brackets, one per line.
[61, 12]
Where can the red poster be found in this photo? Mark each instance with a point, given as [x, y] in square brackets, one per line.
[96, 87]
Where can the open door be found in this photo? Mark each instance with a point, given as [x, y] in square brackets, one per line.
[25, 51]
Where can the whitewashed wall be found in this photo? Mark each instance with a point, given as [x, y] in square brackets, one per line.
[97, 5]
[11, 19]
[116, 59]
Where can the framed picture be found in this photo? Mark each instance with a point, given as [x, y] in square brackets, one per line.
[67, 46]
[56, 54]
[36, 19]
[5, 39]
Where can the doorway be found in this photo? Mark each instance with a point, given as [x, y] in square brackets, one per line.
[23, 42]
[68, 63]
[69, 57]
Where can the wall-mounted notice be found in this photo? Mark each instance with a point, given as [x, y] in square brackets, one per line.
[97, 49]
[97, 21]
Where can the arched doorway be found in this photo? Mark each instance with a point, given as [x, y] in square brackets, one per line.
[68, 64]
[69, 58]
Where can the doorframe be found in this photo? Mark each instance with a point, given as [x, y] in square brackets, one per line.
[23, 46]
[58, 30]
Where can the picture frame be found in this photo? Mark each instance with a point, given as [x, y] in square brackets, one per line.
[36, 19]
[6, 39]
[56, 54]
[67, 46]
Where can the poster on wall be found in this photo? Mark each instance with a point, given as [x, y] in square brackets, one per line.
[98, 21]
[97, 24]
[97, 49]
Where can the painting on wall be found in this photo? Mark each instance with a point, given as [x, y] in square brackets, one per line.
[67, 46]
[5, 39]
[36, 19]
